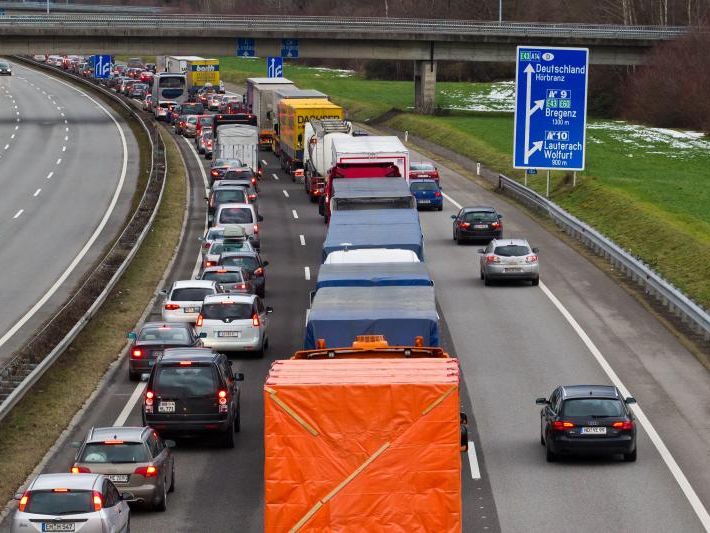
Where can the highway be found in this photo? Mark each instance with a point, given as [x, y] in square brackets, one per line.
[68, 175]
[515, 343]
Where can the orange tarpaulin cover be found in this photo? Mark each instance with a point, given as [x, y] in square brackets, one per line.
[362, 445]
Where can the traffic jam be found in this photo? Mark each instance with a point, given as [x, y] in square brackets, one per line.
[372, 328]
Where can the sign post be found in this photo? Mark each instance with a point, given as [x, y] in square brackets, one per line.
[550, 108]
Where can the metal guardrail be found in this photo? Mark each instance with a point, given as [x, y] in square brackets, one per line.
[22, 367]
[77, 8]
[654, 284]
[294, 25]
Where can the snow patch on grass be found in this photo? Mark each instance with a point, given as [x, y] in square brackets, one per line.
[663, 141]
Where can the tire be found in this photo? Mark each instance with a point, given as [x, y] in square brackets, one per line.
[162, 504]
[172, 480]
[486, 281]
[228, 437]
[454, 233]
[260, 352]
[535, 282]
[440, 208]
[630, 457]
[550, 456]
[238, 421]
[482, 276]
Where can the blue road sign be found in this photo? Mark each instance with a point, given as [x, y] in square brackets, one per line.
[246, 47]
[550, 107]
[289, 47]
[531, 171]
[102, 66]
[274, 67]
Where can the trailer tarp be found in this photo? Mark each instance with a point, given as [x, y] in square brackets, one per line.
[373, 275]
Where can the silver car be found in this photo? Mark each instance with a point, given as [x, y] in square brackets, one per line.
[184, 300]
[509, 259]
[89, 503]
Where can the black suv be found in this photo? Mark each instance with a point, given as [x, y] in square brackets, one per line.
[587, 419]
[193, 391]
[252, 262]
[477, 223]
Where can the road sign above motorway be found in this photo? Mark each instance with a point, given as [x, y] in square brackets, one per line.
[289, 47]
[274, 67]
[550, 107]
[246, 47]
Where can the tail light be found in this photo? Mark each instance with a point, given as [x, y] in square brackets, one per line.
[252, 197]
[206, 245]
[495, 225]
[200, 320]
[172, 307]
[437, 194]
[222, 399]
[240, 286]
[24, 501]
[464, 225]
[492, 259]
[146, 471]
[209, 144]
[149, 400]
[255, 320]
[256, 229]
[298, 172]
[531, 259]
[260, 172]
[214, 172]
[209, 264]
[137, 353]
[98, 502]
[80, 470]
[259, 271]
[626, 425]
[562, 425]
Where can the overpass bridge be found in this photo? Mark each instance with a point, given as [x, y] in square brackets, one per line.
[420, 40]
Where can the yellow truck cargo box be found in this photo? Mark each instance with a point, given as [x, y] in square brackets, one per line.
[292, 117]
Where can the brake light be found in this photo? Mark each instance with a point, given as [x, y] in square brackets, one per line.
[626, 425]
[200, 320]
[149, 401]
[113, 441]
[146, 471]
[464, 225]
[222, 400]
[24, 501]
[531, 259]
[80, 470]
[260, 172]
[256, 228]
[209, 264]
[495, 225]
[562, 425]
[240, 286]
[185, 363]
[137, 353]
[206, 245]
[172, 307]
[255, 320]
[253, 181]
[437, 194]
[492, 259]
[214, 172]
[98, 502]
[252, 197]
[259, 271]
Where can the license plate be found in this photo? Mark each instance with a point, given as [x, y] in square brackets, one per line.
[191, 309]
[166, 407]
[228, 334]
[118, 478]
[513, 270]
[424, 201]
[480, 226]
[594, 431]
[58, 526]
[422, 175]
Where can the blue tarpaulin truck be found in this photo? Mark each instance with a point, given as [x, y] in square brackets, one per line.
[374, 275]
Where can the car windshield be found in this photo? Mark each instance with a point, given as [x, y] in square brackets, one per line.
[511, 250]
[478, 217]
[220, 311]
[235, 215]
[246, 261]
[592, 407]
[4, 65]
[190, 294]
[220, 247]
[227, 163]
[206, 121]
[60, 503]
[166, 334]
[214, 234]
[120, 452]
[188, 380]
[223, 277]
[421, 166]
[424, 186]
[224, 196]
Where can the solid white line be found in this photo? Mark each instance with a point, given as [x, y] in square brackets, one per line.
[18, 213]
[49, 176]
[126, 411]
[671, 463]
[275, 176]
[59, 160]
[451, 200]
[37, 193]
[473, 461]
[303, 239]
[295, 215]
[285, 193]
[307, 272]
[102, 224]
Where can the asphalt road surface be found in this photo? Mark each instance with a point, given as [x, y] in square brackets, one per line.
[68, 175]
[515, 342]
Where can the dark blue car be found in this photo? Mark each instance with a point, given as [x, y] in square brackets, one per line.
[427, 193]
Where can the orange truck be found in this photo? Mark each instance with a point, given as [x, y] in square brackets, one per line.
[364, 438]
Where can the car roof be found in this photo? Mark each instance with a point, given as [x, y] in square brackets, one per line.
[65, 481]
[235, 205]
[229, 187]
[193, 283]
[117, 433]
[237, 298]
[479, 208]
[240, 253]
[192, 354]
[423, 180]
[223, 268]
[168, 325]
[514, 242]
[593, 391]
[238, 182]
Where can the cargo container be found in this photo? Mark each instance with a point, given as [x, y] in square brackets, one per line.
[292, 93]
[199, 71]
[238, 141]
[371, 193]
[318, 138]
[259, 100]
[363, 439]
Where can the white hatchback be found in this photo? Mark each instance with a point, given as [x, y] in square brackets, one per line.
[240, 215]
[234, 322]
[184, 300]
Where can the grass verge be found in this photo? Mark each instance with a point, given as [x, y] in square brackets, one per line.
[38, 420]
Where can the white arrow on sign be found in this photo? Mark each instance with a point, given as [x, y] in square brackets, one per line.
[528, 113]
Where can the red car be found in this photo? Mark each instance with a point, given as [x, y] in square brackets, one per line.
[423, 169]
[146, 77]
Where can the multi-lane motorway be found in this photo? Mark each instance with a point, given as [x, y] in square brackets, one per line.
[515, 343]
[68, 171]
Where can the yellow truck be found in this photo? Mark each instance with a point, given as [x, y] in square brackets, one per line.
[199, 71]
[293, 114]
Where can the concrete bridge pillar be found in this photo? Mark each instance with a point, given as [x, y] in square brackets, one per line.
[425, 86]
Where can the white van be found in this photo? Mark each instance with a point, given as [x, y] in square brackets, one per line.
[240, 215]
[371, 255]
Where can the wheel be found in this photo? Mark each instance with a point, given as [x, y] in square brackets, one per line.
[228, 437]
[172, 480]
[459, 241]
[454, 235]
[162, 504]
[486, 281]
[261, 293]
[132, 376]
[440, 208]
[260, 351]
[482, 276]
[630, 457]
[550, 456]
[536, 282]
[238, 421]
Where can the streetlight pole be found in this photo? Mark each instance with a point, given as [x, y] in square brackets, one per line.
[500, 11]
[47, 7]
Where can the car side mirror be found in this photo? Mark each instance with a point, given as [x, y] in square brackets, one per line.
[128, 496]
[453, 217]
[630, 400]
[170, 443]
[464, 418]
[265, 263]
[239, 376]
[269, 310]
[132, 335]
[206, 200]
[259, 218]
[197, 277]
[19, 495]
[481, 251]
[541, 401]
[164, 292]
[500, 216]
[536, 250]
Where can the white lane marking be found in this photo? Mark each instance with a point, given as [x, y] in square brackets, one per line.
[17, 113]
[18, 213]
[59, 161]
[671, 463]
[295, 215]
[62, 114]
[7, 146]
[36, 194]
[15, 107]
[49, 176]
[307, 272]
[18, 120]
[66, 137]
[66, 121]
[59, 108]
[102, 224]
[198, 262]
[17, 128]
[285, 193]
[66, 129]
[451, 200]
[264, 163]
[126, 411]
[12, 136]
[303, 239]
[275, 176]
[64, 148]
[473, 461]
